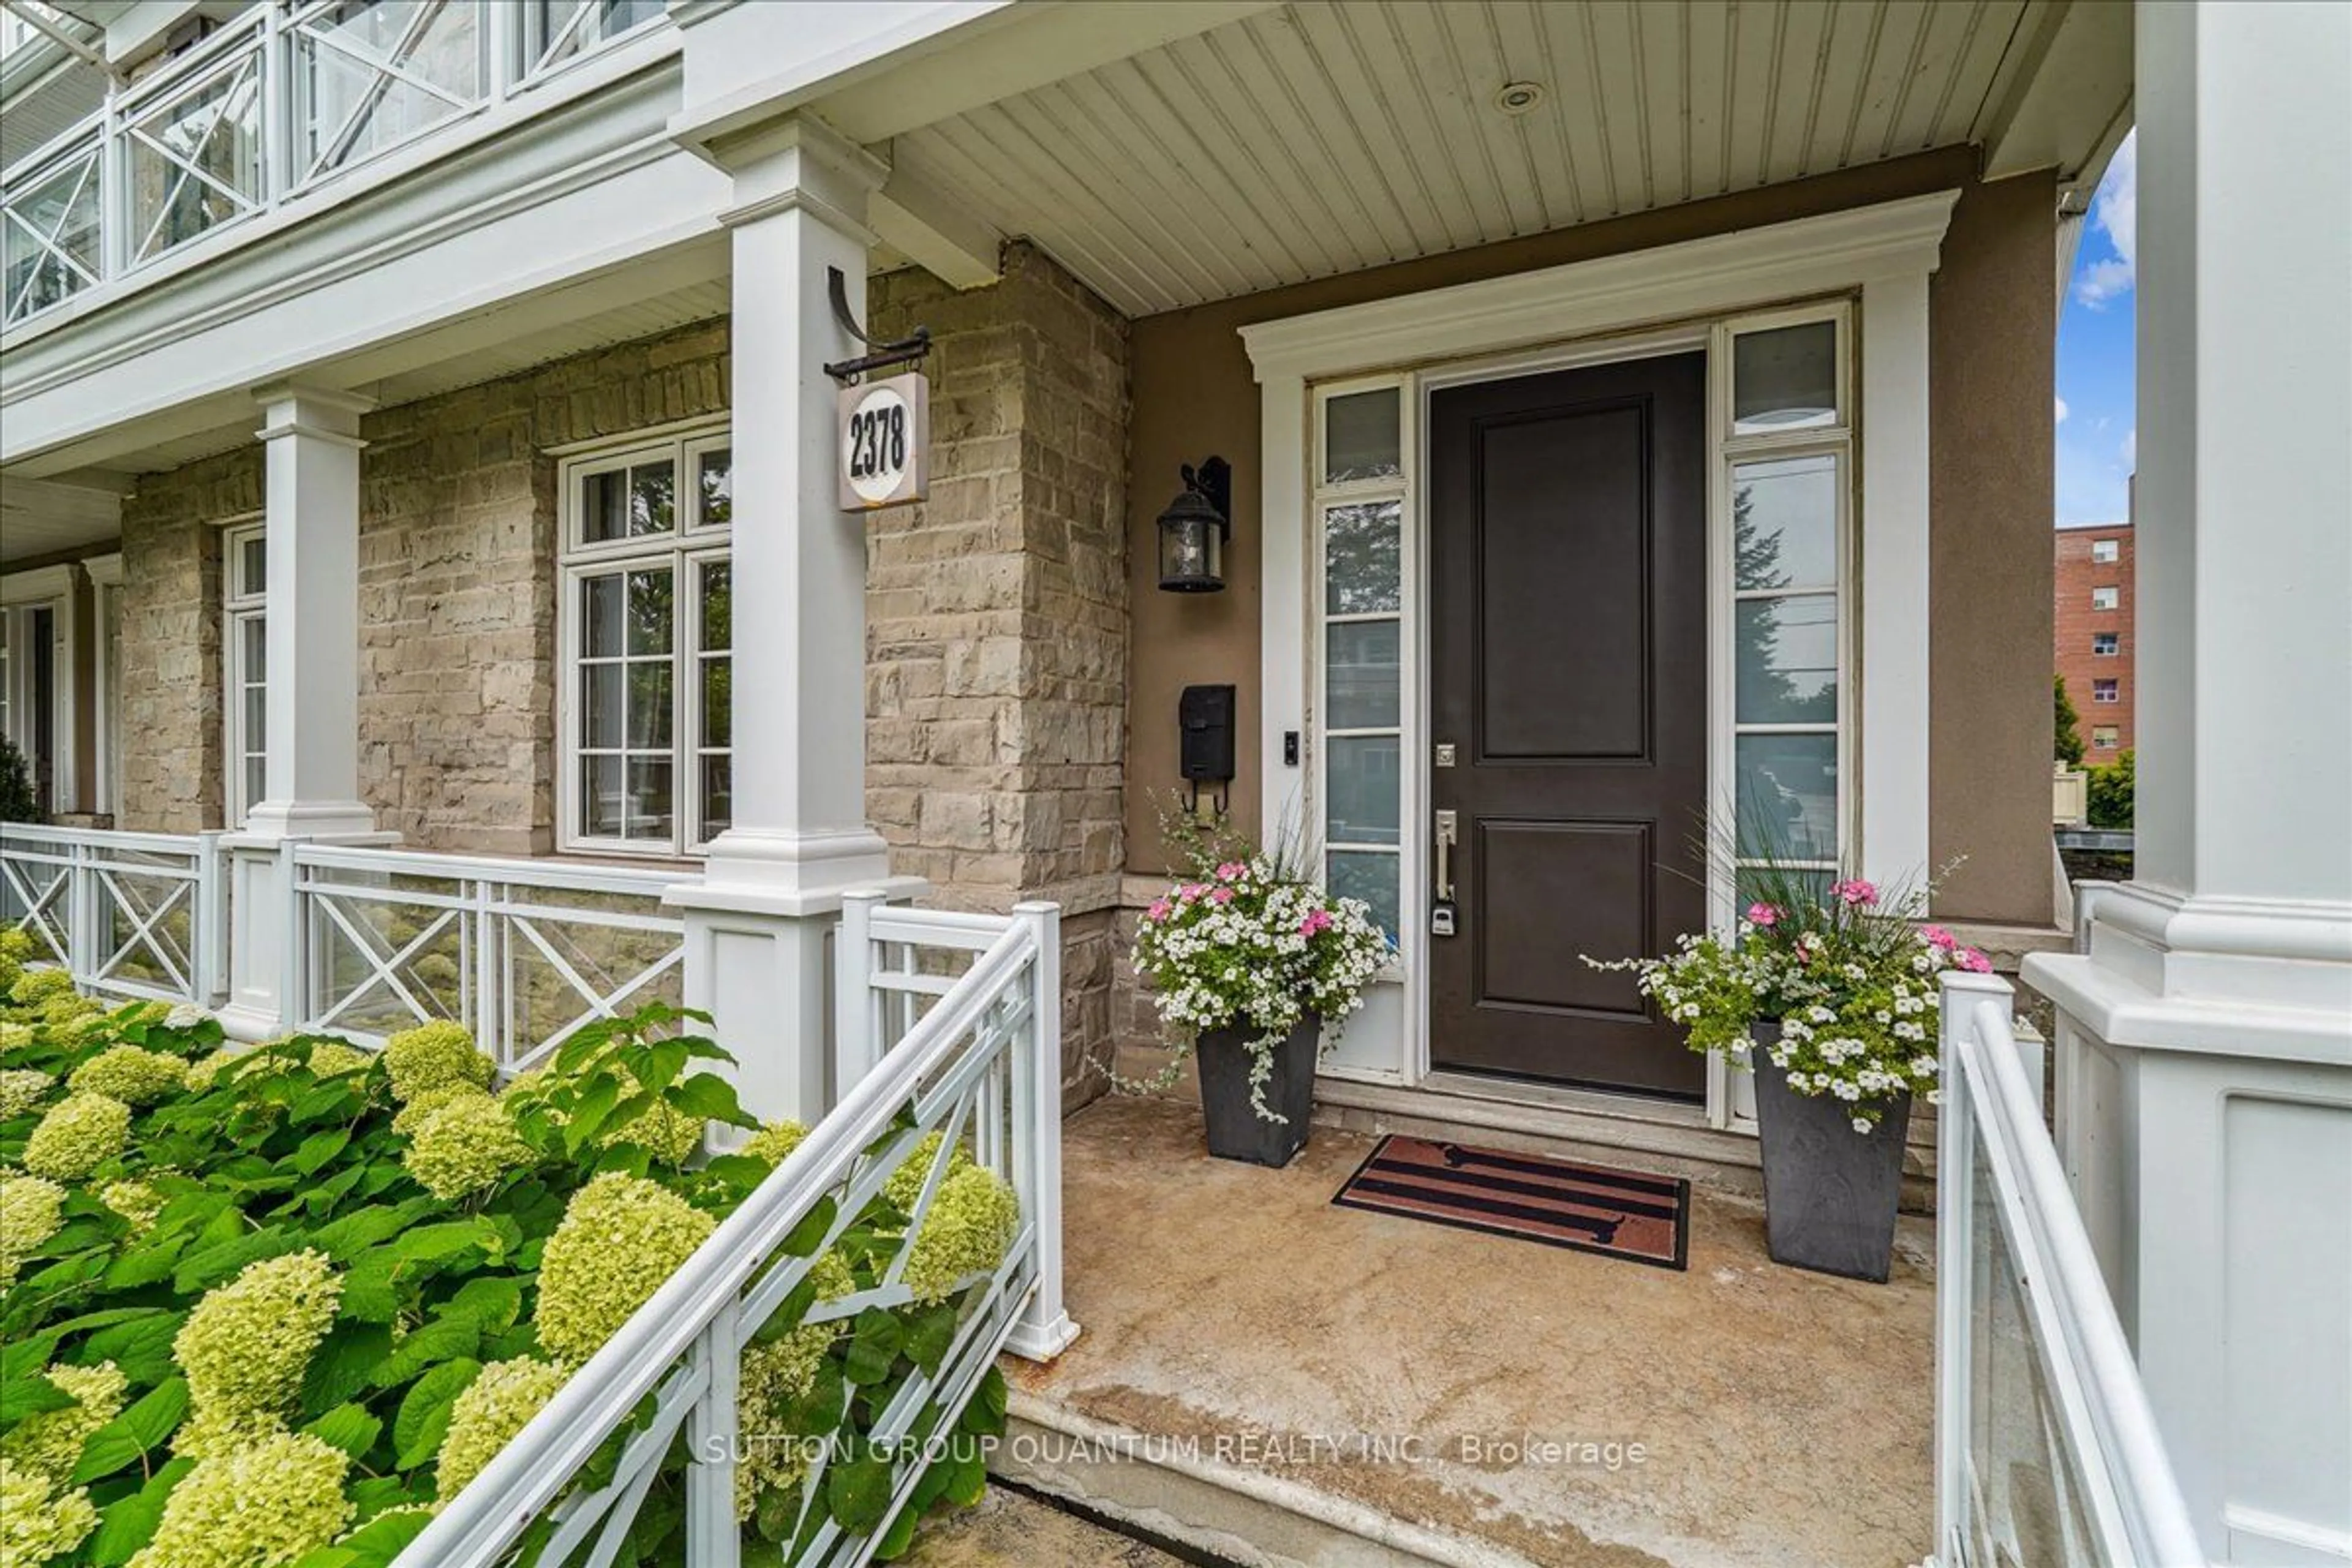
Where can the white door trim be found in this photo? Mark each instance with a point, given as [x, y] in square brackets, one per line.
[1643, 300]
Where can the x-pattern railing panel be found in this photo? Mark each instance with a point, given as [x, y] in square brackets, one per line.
[49, 231]
[195, 155]
[126, 913]
[402, 67]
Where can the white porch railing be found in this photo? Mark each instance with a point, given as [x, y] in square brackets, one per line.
[522, 952]
[982, 1060]
[2046, 1451]
[129, 914]
[278, 101]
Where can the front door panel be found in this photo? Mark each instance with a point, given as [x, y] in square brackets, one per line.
[1568, 578]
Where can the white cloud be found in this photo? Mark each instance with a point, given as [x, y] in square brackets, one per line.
[2131, 448]
[2062, 411]
[2115, 212]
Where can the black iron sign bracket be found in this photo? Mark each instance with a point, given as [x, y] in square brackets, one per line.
[906, 350]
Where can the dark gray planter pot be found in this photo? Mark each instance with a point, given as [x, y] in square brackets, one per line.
[1236, 1131]
[1830, 1193]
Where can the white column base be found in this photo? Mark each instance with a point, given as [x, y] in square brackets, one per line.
[2204, 1116]
[261, 914]
[1042, 1342]
[758, 933]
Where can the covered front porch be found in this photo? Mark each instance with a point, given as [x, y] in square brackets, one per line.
[1267, 1376]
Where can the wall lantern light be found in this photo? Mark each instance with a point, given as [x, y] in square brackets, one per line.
[1194, 529]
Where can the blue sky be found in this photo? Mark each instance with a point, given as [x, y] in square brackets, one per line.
[2096, 426]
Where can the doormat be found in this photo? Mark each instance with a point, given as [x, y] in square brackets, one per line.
[1591, 1208]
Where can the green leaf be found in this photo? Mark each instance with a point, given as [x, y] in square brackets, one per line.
[875, 1343]
[808, 1234]
[424, 1418]
[899, 1537]
[664, 1061]
[138, 1432]
[146, 1264]
[128, 1523]
[931, 1332]
[708, 1095]
[375, 1543]
[348, 1427]
[967, 1476]
[317, 1150]
[23, 1396]
[984, 1415]
[346, 1239]
[494, 1299]
[342, 1364]
[857, 1493]
[204, 1269]
[590, 1112]
[140, 1349]
[453, 1334]
[433, 1242]
[371, 1293]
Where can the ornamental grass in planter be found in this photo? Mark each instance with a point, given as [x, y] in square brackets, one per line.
[1828, 989]
[269, 1307]
[1255, 968]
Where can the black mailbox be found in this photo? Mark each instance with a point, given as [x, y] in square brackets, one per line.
[1205, 714]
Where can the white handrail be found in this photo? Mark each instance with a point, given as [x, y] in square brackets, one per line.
[2137, 1510]
[476, 1528]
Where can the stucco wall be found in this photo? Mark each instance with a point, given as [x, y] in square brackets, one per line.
[1992, 342]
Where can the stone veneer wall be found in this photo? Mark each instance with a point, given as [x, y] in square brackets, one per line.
[457, 609]
[997, 622]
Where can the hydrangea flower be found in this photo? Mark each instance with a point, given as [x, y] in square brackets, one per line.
[50, 1441]
[135, 1201]
[30, 1210]
[15, 1037]
[35, 987]
[130, 1074]
[466, 1145]
[971, 1222]
[621, 1238]
[774, 1142]
[332, 1058]
[38, 1523]
[81, 1132]
[184, 1015]
[483, 1419]
[204, 1072]
[21, 1088]
[434, 1056]
[247, 1344]
[905, 1183]
[426, 1101]
[264, 1504]
[773, 1377]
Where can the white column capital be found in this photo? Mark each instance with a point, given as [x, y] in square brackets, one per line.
[799, 164]
[293, 409]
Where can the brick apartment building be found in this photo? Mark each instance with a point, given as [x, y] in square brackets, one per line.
[2094, 584]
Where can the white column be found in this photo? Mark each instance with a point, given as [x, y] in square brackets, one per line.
[2205, 1040]
[757, 923]
[310, 783]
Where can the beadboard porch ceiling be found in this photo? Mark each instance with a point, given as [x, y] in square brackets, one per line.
[1324, 136]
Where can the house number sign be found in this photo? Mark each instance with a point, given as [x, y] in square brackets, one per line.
[884, 437]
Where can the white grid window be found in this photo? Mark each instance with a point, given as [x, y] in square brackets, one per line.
[244, 653]
[645, 699]
[2104, 550]
[2105, 598]
[1787, 442]
[2106, 691]
[1361, 485]
[2103, 737]
[2107, 644]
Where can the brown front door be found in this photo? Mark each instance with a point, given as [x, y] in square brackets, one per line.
[1567, 572]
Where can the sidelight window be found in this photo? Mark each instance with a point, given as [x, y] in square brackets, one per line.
[245, 652]
[1787, 445]
[644, 704]
[1362, 484]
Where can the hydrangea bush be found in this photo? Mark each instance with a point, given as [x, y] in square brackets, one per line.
[1849, 975]
[271, 1306]
[1250, 941]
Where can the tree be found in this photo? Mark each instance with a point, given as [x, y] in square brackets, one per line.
[2111, 794]
[16, 800]
[2069, 742]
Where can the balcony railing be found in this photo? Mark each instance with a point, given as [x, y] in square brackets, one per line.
[2046, 1450]
[288, 97]
[133, 915]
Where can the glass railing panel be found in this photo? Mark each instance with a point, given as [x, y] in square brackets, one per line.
[194, 159]
[369, 75]
[49, 248]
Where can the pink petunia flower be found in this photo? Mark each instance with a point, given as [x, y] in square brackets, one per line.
[1937, 936]
[1317, 920]
[1975, 962]
[1763, 914]
[1231, 871]
[1857, 892]
[1221, 895]
[1160, 910]
[1191, 890]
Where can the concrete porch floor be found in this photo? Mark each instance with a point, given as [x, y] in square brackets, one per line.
[1245, 1340]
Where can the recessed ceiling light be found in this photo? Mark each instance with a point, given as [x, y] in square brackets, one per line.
[1518, 96]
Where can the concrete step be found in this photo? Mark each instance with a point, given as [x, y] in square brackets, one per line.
[1226, 1512]
[1008, 1530]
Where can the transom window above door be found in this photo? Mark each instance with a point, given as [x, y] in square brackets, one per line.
[645, 701]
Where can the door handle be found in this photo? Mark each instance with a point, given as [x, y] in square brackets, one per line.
[1446, 832]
